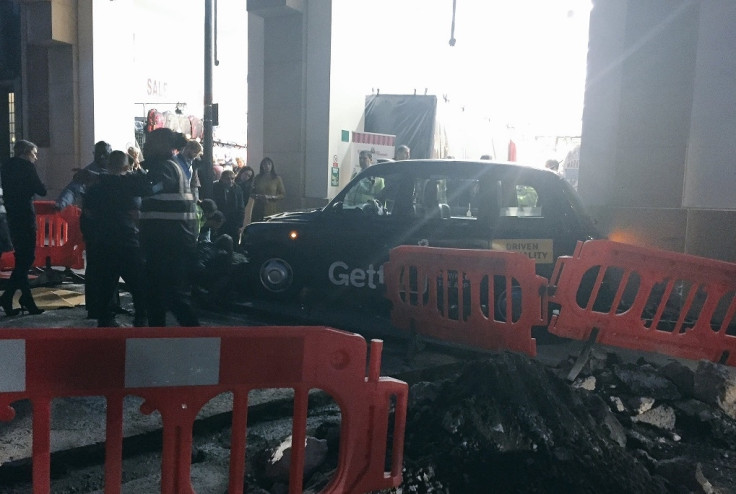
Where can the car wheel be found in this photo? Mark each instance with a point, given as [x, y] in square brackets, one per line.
[277, 278]
[515, 304]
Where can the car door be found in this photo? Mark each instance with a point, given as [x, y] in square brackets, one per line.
[354, 236]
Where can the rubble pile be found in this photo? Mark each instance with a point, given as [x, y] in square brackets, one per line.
[512, 425]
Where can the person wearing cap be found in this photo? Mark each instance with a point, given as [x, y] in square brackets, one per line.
[208, 220]
[168, 231]
[72, 193]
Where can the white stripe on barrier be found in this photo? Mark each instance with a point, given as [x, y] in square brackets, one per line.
[12, 366]
[160, 362]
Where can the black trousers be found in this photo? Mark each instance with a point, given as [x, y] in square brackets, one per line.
[168, 281]
[112, 262]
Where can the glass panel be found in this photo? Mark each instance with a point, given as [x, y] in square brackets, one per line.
[374, 194]
[11, 119]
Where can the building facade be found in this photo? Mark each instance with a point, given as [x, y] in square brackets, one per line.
[656, 155]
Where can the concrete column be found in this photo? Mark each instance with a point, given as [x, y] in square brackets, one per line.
[283, 95]
[637, 118]
[710, 179]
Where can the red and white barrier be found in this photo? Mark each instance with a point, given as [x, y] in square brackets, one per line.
[647, 299]
[481, 298]
[59, 239]
[178, 370]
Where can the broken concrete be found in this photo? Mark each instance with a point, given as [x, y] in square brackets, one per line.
[716, 385]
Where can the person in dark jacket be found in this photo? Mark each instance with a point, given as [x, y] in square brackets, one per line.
[110, 211]
[6, 245]
[229, 200]
[73, 192]
[168, 229]
[20, 182]
[72, 195]
[244, 180]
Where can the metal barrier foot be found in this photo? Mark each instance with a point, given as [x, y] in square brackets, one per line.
[415, 345]
[583, 356]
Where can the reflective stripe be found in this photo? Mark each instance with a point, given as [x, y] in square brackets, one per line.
[183, 180]
[158, 362]
[171, 206]
[12, 366]
[160, 215]
[174, 196]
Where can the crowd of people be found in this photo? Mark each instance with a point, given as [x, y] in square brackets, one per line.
[143, 221]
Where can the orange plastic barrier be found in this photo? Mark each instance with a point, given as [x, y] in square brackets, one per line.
[178, 370]
[647, 299]
[460, 295]
[59, 239]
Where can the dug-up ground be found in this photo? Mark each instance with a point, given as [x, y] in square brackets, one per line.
[509, 424]
[503, 424]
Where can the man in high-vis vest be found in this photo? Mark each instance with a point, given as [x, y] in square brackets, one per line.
[168, 229]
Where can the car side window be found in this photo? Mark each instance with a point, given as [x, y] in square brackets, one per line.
[364, 191]
[465, 198]
[520, 200]
[374, 194]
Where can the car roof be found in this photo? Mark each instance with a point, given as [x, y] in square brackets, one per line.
[443, 164]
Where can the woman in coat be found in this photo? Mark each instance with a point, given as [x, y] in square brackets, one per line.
[268, 190]
[20, 182]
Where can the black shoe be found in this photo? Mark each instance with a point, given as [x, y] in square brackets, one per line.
[27, 304]
[108, 323]
[6, 302]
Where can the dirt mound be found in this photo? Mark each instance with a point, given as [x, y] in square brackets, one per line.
[509, 424]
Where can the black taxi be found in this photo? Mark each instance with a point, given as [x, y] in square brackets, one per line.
[338, 251]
